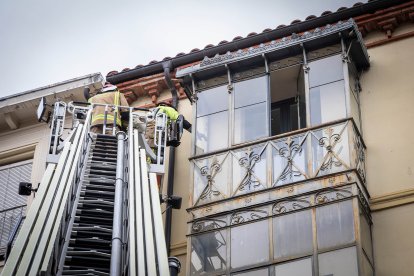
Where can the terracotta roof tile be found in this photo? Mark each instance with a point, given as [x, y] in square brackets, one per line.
[250, 34]
[326, 13]
[310, 17]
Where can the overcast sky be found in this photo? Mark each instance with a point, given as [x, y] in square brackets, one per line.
[47, 41]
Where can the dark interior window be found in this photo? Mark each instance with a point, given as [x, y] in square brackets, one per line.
[284, 116]
[286, 93]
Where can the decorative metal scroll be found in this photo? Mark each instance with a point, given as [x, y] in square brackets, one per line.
[289, 153]
[209, 173]
[207, 225]
[359, 157]
[333, 195]
[247, 215]
[329, 142]
[248, 162]
[364, 202]
[285, 206]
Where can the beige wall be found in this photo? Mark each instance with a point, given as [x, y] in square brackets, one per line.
[26, 143]
[387, 101]
[393, 241]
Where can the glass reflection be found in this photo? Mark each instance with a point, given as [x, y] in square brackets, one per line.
[366, 236]
[250, 244]
[335, 224]
[292, 234]
[327, 103]
[208, 253]
[297, 268]
[250, 123]
[250, 92]
[325, 70]
[212, 101]
[338, 263]
[212, 132]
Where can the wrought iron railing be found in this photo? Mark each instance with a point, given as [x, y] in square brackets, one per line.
[279, 160]
[8, 219]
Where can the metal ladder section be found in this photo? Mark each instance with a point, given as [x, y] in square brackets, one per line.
[35, 244]
[88, 249]
[80, 224]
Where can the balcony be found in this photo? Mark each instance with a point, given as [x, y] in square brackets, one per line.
[259, 171]
[292, 203]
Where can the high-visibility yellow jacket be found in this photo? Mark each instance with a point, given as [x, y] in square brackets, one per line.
[171, 113]
[111, 98]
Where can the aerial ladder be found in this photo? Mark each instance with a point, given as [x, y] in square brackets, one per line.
[97, 209]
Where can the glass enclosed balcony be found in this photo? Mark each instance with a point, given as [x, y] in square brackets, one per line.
[278, 160]
[269, 163]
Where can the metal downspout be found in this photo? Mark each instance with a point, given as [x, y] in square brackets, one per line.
[171, 159]
[116, 251]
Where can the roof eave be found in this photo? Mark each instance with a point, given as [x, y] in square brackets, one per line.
[299, 27]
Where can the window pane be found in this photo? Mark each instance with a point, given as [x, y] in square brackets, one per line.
[250, 244]
[250, 92]
[292, 234]
[275, 121]
[250, 123]
[335, 224]
[325, 70]
[366, 236]
[212, 132]
[212, 101]
[208, 252]
[260, 272]
[338, 263]
[327, 103]
[298, 268]
[294, 117]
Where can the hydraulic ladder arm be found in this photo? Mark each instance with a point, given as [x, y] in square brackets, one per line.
[97, 210]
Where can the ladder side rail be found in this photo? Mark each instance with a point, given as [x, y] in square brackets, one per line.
[138, 230]
[78, 146]
[148, 232]
[131, 237]
[53, 215]
[32, 214]
[30, 249]
[116, 250]
[61, 172]
[162, 257]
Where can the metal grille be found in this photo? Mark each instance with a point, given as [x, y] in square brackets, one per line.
[12, 205]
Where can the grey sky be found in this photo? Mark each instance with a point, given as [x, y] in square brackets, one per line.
[47, 41]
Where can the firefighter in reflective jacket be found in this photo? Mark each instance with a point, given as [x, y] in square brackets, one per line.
[111, 96]
[172, 115]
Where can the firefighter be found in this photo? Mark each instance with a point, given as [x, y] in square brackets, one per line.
[111, 96]
[173, 117]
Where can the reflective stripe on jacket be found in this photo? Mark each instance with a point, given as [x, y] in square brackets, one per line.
[110, 98]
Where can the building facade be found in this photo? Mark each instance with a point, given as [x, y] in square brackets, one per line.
[300, 161]
[24, 145]
[294, 166]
